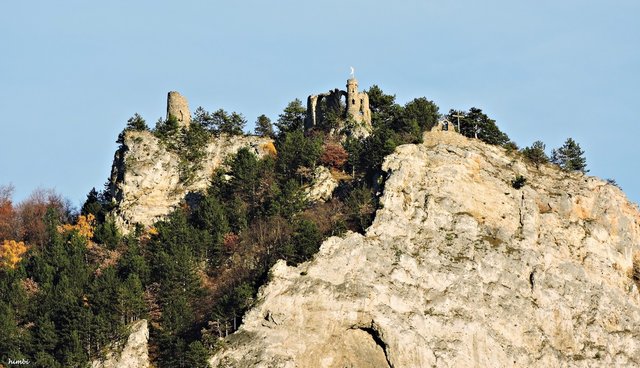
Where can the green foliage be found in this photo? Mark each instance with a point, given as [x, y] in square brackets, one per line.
[518, 182]
[219, 121]
[292, 118]
[296, 151]
[375, 148]
[135, 123]
[211, 218]
[536, 154]
[264, 128]
[361, 205]
[476, 124]
[197, 356]
[614, 183]
[355, 149]
[384, 109]
[304, 243]
[203, 118]
[167, 129]
[570, 157]
[232, 124]
[422, 111]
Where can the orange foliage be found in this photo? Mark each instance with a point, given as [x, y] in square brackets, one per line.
[32, 211]
[11, 253]
[84, 226]
[230, 241]
[270, 148]
[8, 217]
[334, 155]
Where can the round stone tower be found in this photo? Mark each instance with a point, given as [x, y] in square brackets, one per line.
[353, 99]
[178, 106]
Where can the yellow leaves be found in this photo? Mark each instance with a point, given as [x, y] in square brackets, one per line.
[11, 253]
[84, 226]
[152, 231]
[270, 149]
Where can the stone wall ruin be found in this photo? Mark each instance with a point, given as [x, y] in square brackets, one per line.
[357, 107]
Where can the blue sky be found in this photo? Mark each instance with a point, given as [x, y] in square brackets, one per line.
[73, 72]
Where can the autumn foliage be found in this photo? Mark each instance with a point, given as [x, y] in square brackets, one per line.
[11, 253]
[270, 148]
[8, 218]
[84, 226]
[334, 155]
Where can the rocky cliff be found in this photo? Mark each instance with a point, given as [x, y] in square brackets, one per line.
[134, 353]
[146, 175]
[460, 269]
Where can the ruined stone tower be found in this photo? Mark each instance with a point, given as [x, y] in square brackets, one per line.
[178, 106]
[357, 103]
[357, 108]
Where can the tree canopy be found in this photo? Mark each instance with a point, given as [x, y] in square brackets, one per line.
[476, 124]
[570, 157]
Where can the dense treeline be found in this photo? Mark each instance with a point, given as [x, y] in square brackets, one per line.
[67, 297]
[71, 283]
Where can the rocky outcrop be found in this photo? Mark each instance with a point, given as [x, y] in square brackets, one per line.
[322, 185]
[146, 176]
[460, 269]
[134, 354]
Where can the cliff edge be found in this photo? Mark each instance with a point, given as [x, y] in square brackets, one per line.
[146, 176]
[460, 269]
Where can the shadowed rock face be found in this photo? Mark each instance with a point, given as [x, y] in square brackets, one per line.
[459, 269]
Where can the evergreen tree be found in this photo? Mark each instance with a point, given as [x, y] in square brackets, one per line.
[130, 303]
[295, 151]
[167, 129]
[197, 356]
[535, 154]
[570, 157]
[203, 118]
[264, 128]
[223, 122]
[136, 122]
[292, 118]
[422, 111]
[476, 124]
[384, 109]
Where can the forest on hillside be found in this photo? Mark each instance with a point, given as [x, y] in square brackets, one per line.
[71, 282]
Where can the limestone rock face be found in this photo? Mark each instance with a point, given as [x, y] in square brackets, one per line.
[146, 176]
[135, 353]
[322, 186]
[459, 269]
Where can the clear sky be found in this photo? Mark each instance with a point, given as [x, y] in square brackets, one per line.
[73, 72]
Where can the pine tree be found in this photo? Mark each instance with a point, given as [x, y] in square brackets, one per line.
[570, 157]
[264, 128]
[136, 122]
[292, 118]
[476, 124]
[535, 154]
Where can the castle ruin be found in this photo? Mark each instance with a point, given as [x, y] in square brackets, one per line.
[178, 107]
[357, 107]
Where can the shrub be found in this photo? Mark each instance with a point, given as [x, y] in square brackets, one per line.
[518, 182]
[334, 155]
